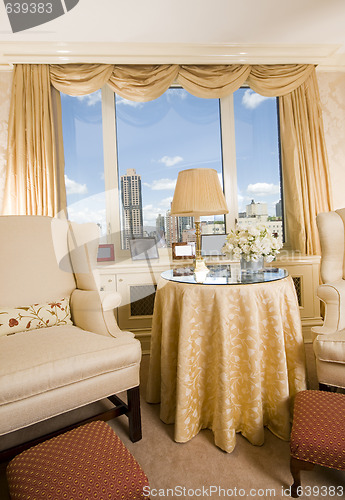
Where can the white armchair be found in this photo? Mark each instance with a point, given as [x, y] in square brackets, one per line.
[329, 342]
[46, 264]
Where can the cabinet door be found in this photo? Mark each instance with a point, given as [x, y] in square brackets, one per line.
[303, 280]
[138, 293]
[108, 282]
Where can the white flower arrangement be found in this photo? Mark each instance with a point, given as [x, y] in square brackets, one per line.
[251, 243]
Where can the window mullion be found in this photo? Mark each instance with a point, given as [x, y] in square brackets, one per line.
[111, 168]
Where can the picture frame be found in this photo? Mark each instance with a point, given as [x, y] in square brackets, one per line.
[106, 253]
[211, 244]
[184, 250]
[143, 248]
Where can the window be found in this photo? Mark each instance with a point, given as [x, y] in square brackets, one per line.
[258, 159]
[128, 189]
[155, 140]
[84, 163]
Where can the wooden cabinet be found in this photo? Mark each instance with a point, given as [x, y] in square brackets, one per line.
[137, 281]
[136, 284]
[305, 272]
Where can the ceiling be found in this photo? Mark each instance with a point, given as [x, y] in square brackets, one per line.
[184, 31]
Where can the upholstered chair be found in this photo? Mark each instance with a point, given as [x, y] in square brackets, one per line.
[329, 340]
[60, 345]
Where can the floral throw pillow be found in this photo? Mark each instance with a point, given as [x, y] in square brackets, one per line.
[21, 319]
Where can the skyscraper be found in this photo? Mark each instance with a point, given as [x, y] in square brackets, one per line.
[132, 207]
[160, 224]
[171, 228]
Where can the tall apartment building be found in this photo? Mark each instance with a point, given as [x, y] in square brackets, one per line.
[160, 224]
[132, 207]
[171, 228]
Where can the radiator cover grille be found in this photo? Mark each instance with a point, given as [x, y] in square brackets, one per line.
[142, 299]
[297, 281]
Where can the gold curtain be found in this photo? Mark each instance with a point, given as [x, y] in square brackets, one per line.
[34, 184]
[304, 158]
[79, 79]
[212, 81]
[147, 82]
[278, 80]
[307, 189]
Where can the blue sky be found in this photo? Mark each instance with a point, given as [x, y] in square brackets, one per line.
[161, 137]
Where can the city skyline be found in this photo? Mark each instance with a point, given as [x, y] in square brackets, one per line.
[169, 229]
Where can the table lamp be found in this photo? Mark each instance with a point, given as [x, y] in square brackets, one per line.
[198, 192]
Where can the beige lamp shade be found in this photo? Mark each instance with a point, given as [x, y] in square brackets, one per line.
[198, 192]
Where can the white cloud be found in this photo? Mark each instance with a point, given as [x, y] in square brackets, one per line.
[90, 209]
[73, 187]
[91, 99]
[127, 102]
[251, 100]
[150, 215]
[263, 189]
[179, 94]
[151, 212]
[165, 203]
[242, 201]
[162, 184]
[148, 207]
[170, 161]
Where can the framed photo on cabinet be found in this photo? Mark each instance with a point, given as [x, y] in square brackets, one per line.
[143, 248]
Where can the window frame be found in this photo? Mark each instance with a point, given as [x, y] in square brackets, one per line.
[111, 169]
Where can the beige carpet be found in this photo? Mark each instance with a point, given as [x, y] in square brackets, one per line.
[200, 469]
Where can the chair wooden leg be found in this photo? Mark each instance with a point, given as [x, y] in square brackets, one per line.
[295, 468]
[134, 414]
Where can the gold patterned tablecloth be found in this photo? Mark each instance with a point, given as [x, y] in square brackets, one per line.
[227, 358]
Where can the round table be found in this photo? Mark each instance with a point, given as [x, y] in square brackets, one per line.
[226, 356]
[226, 275]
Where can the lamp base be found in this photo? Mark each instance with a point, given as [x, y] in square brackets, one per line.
[200, 270]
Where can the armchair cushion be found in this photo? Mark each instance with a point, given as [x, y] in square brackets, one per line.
[330, 347]
[56, 357]
[53, 370]
[22, 319]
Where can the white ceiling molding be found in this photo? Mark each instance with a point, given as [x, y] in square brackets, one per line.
[326, 56]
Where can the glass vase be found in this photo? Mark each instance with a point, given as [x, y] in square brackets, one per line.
[252, 266]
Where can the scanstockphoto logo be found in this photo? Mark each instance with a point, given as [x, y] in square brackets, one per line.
[24, 15]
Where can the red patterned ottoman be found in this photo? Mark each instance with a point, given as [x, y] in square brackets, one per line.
[318, 433]
[89, 462]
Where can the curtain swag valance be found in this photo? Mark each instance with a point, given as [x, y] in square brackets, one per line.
[147, 82]
[35, 158]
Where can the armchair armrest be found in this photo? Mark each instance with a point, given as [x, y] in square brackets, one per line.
[333, 295]
[94, 311]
